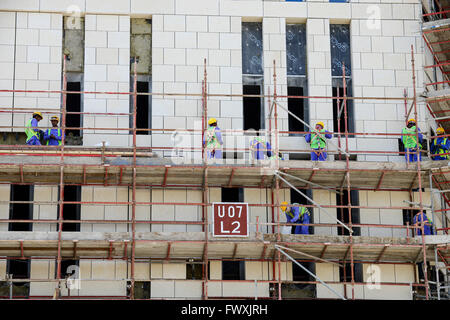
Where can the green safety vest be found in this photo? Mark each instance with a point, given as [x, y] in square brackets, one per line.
[440, 150]
[318, 141]
[302, 212]
[211, 139]
[257, 141]
[49, 132]
[410, 141]
[29, 131]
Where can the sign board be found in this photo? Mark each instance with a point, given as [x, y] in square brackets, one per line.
[230, 219]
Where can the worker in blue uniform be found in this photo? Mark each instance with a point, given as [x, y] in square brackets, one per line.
[318, 142]
[259, 148]
[410, 141]
[31, 130]
[297, 214]
[53, 136]
[440, 145]
[428, 226]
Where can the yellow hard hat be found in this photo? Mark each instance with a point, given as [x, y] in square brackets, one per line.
[54, 118]
[412, 120]
[283, 205]
[440, 130]
[320, 123]
[212, 120]
[38, 113]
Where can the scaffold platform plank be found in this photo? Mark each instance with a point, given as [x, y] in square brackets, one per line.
[117, 170]
[192, 245]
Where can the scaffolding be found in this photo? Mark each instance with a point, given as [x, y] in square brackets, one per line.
[139, 167]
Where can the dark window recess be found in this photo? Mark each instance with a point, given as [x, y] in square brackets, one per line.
[68, 268]
[342, 213]
[300, 290]
[194, 271]
[143, 120]
[73, 104]
[300, 199]
[339, 110]
[296, 49]
[252, 108]
[18, 269]
[71, 211]
[345, 273]
[232, 195]
[21, 211]
[233, 270]
[142, 289]
[252, 48]
[297, 107]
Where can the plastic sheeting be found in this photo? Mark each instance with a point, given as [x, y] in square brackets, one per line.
[252, 48]
[340, 49]
[296, 49]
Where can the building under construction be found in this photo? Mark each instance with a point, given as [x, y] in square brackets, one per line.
[122, 208]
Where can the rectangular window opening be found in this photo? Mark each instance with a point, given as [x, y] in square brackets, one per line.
[73, 104]
[21, 211]
[17, 269]
[71, 211]
[345, 274]
[300, 290]
[232, 195]
[233, 270]
[297, 107]
[194, 271]
[342, 213]
[142, 289]
[252, 108]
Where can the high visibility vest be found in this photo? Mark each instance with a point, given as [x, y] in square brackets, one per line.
[49, 133]
[302, 212]
[440, 150]
[29, 131]
[410, 141]
[211, 138]
[254, 144]
[318, 141]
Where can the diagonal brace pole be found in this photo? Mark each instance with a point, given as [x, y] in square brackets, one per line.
[313, 202]
[309, 272]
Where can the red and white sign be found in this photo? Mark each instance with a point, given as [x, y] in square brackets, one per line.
[230, 219]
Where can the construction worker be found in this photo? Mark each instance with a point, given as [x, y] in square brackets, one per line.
[440, 145]
[427, 228]
[318, 142]
[259, 147]
[410, 142]
[295, 214]
[213, 140]
[31, 130]
[53, 136]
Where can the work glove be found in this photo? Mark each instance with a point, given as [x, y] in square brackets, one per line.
[52, 136]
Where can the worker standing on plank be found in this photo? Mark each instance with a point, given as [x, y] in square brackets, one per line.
[259, 148]
[53, 136]
[213, 140]
[317, 141]
[440, 145]
[428, 227]
[410, 141]
[32, 131]
[296, 214]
